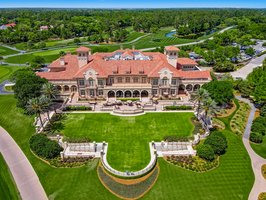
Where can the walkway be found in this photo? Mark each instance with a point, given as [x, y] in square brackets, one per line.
[256, 161]
[243, 72]
[24, 175]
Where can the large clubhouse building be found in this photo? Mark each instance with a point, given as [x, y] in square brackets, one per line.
[125, 73]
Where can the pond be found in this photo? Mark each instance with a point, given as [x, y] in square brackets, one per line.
[170, 34]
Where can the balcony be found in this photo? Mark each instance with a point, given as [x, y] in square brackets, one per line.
[129, 86]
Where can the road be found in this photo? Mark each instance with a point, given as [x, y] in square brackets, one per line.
[24, 175]
[256, 161]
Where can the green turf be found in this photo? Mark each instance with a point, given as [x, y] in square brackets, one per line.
[49, 56]
[6, 51]
[233, 179]
[8, 189]
[6, 71]
[128, 137]
[260, 149]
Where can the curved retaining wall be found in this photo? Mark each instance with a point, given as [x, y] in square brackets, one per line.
[141, 172]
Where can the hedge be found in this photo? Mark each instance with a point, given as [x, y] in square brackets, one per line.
[206, 152]
[178, 107]
[70, 108]
[128, 99]
[44, 147]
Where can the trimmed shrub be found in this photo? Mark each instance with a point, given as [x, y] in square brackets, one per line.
[178, 107]
[219, 134]
[218, 144]
[206, 152]
[259, 125]
[255, 137]
[44, 147]
[70, 108]
[263, 111]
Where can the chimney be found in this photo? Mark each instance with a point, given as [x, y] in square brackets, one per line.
[133, 47]
[62, 61]
[121, 47]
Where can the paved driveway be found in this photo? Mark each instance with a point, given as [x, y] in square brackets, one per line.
[24, 175]
[247, 69]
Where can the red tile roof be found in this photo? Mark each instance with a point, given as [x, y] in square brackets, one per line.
[172, 48]
[186, 61]
[105, 68]
[82, 49]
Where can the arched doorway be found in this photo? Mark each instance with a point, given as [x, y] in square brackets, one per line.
[196, 87]
[111, 94]
[119, 94]
[189, 87]
[73, 88]
[128, 93]
[59, 88]
[136, 93]
[66, 88]
[181, 89]
[144, 93]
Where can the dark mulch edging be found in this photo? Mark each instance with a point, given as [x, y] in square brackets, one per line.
[128, 191]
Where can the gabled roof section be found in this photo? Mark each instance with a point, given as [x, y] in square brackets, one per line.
[186, 61]
[171, 48]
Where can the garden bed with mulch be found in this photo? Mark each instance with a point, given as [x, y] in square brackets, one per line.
[193, 163]
[128, 188]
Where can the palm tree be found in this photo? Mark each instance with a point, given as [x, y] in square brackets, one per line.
[35, 106]
[199, 97]
[210, 108]
[45, 102]
[50, 91]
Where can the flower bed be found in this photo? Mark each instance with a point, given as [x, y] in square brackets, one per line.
[128, 99]
[193, 163]
[263, 170]
[69, 162]
[239, 120]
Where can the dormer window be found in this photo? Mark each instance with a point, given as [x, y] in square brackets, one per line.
[128, 72]
[141, 72]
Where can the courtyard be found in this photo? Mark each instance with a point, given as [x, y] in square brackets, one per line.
[128, 137]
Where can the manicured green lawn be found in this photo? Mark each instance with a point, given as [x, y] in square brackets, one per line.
[6, 51]
[49, 56]
[8, 189]
[260, 149]
[233, 179]
[6, 71]
[128, 137]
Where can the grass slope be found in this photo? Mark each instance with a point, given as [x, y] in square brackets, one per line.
[128, 137]
[233, 179]
[8, 190]
[6, 51]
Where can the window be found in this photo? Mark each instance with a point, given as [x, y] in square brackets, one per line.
[165, 81]
[154, 92]
[155, 82]
[135, 79]
[143, 80]
[91, 92]
[173, 82]
[173, 91]
[91, 82]
[100, 82]
[100, 92]
[81, 82]
[111, 80]
[119, 80]
[127, 79]
[82, 92]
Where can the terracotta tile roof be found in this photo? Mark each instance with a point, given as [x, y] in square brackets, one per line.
[195, 74]
[105, 68]
[10, 25]
[186, 61]
[171, 48]
[82, 49]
